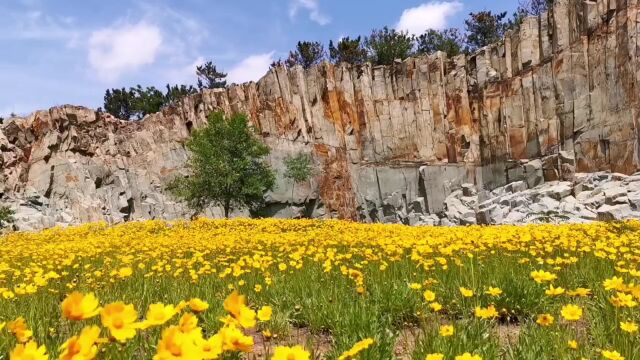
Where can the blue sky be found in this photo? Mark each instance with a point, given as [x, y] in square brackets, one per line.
[69, 51]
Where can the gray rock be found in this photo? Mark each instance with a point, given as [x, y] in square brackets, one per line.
[614, 212]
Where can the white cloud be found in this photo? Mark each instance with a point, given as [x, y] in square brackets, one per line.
[185, 74]
[432, 15]
[313, 7]
[252, 68]
[119, 49]
[37, 25]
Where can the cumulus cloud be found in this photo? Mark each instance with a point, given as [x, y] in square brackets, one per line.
[313, 7]
[433, 15]
[119, 49]
[251, 69]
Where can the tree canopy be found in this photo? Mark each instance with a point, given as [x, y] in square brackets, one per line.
[385, 45]
[227, 167]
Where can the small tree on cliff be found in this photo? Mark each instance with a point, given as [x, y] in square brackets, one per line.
[449, 41]
[348, 50]
[307, 54]
[6, 216]
[209, 77]
[484, 28]
[297, 168]
[386, 45]
[227, 166]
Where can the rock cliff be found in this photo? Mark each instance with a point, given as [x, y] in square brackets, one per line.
[390, 143]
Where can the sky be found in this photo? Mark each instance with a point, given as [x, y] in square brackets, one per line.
[56, 52]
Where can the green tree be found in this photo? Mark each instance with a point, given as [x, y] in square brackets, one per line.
[227, 166]
[348, 50]
[146, 101]
[297, 168]
[6, 216]
[119, 103]
[176, 93]
[386, 45]
[484, 28]
[306, 54]
[209, 77]
[449, 41]
[529, 8]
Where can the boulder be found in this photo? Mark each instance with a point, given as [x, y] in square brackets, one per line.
[614, 212]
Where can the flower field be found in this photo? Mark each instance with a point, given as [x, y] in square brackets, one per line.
[305, 289]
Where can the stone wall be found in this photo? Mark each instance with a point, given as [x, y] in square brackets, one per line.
[386, 140]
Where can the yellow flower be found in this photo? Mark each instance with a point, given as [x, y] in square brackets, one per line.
[466, 292]
[615, 283]
[77, 306]
[415, 286]
[2, 325]
[612, 355]
[29, 351]
[120, 319]
[212, 347]
[493, 291]
[234, 340]
[175, 345]
[429, 295]
[125, 272]
[197, 305]
[188, 324]
[487, 313]
[81, 347]
[356, 349]
[623, 300]
[468, 356]
[158, 314]
[435, 306]
[264, 314]
[19, 329]
[571, 312]
[435, 356]
[629, 326]
[572, 344]
[554, 291]
[541, 276]
[581, 292]
[290, 353]
[545, 319]
[446, 330]
[235, 304]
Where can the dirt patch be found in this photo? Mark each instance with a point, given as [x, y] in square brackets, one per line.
[406, 343]
[508, 334]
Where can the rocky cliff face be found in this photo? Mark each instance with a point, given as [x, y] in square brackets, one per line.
[390, 143]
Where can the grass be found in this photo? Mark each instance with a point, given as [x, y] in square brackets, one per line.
[332, 284]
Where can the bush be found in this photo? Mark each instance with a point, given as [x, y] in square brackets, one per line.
[227, 167]
[386, 45]
[6, 216]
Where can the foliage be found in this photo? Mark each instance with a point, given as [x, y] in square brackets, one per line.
[6, 216]
[529, 8]
[227, 166]
[209, 77]
[547, 217]
[330, 284]
[306, 54]
[298, 168]
[348, 50]
[386, 45]
[119, 103]
[484, 28]
[176, 93]
[449, 41]
[146, 101]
